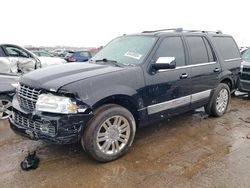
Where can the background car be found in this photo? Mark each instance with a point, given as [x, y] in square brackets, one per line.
[48, 59]
[78, 56]
[243, 49]
[246, 55]
[42, 53]
[14, 61]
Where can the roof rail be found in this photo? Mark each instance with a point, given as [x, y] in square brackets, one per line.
[173, 29]
[181, 30]
[203, 31]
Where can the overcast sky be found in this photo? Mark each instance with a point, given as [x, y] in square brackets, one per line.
[96, 22]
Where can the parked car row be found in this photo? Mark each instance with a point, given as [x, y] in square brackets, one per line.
[133, 81]
[14, 62]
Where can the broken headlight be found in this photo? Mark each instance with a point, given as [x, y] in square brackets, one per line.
[56, 104]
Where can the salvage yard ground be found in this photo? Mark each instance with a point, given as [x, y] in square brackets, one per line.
[185, 151]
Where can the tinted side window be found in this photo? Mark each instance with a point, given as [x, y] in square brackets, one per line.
[172, 47]
[197, 50]
[227, 47]
[1, 52]
[211, 55]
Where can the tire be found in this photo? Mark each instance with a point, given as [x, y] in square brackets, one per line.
[219, 101]
[109, 134]
[5, 106]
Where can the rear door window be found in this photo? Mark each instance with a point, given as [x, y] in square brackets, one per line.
[198, 50]
[227, 48]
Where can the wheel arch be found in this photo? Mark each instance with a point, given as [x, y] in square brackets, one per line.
[229, 82]
[123, 100]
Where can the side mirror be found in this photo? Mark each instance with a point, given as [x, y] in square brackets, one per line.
[164, 63]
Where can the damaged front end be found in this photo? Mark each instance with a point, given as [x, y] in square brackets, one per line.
[58, 128]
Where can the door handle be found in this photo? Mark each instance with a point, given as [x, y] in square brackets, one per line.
[183, 75]
[216, 70]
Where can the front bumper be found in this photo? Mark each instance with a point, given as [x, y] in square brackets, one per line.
[244, 85]
[49, 127]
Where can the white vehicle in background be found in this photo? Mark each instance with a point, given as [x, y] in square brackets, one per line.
[47, 59]
[14, 61]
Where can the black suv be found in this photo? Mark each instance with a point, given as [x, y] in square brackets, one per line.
[133, 81]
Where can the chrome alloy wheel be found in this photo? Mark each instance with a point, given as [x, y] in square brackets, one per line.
[222, 100]
[5, 108]
[113, 135]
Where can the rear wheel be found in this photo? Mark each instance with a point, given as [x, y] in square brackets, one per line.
[110, 133]
[220, 100]
[5, 107]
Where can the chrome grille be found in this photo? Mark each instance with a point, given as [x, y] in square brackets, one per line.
[27, 97]
[32, 125]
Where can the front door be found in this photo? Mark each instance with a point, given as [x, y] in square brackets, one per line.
[169, 91]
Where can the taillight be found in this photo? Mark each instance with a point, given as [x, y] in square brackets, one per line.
[71, 59]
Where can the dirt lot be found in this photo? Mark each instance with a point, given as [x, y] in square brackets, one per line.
[186, 151]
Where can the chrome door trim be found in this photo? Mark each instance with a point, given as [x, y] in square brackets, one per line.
[155, 108]
[189, 66]
[169, 104]
[201, 95]
[234, 59]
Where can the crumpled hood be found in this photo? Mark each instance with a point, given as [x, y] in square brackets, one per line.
[54, 77]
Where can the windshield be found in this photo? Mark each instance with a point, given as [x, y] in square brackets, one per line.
[127, 50]
[246, 55]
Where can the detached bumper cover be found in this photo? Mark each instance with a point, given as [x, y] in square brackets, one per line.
[52, 128]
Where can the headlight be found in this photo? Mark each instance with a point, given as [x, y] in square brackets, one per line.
[241, 68]
[55, 104]
[15, 85]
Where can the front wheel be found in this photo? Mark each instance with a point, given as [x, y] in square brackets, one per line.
[220, 100]
[110, 133]
[5, 107]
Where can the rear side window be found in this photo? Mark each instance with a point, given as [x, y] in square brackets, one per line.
[172, 47]
[227, 47]
[199, 50]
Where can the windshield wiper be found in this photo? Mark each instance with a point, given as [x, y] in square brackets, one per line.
[105, 60]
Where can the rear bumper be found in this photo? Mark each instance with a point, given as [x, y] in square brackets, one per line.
[52, 128]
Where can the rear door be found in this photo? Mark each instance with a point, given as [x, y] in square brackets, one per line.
[204, 66]
[229, 55]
